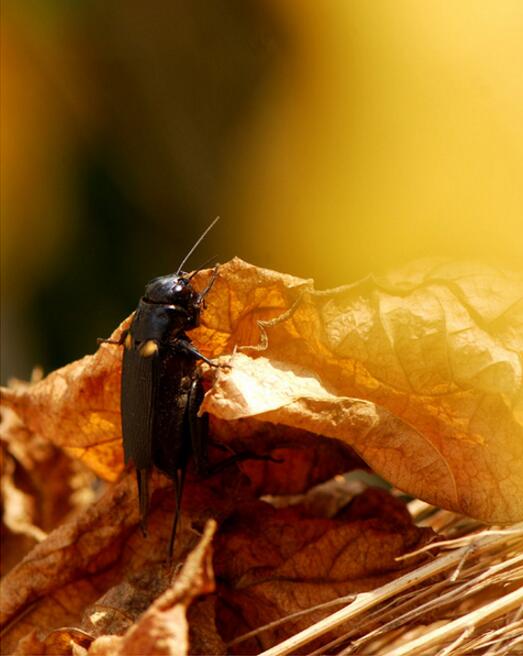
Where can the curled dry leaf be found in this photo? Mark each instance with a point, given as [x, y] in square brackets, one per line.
[77, 408]
[63, 574]
[97, 574]
[417, 376]
[420, 373]
[270, 563]
[41, 487]
[163, 628]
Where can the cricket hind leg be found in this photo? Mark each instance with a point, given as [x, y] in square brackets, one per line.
[179, 481]
[188, 425]
[240, 457]
[199, 432]
[142, 480]
[197, 429]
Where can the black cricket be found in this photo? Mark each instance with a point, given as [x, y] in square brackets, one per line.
[162, 388]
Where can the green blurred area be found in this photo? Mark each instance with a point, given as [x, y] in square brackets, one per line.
[334, 139]
[116, 121]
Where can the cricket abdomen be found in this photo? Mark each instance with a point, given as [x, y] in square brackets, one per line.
[171, 444]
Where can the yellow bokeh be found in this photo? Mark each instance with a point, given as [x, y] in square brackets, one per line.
[394, 131]
[335, 139]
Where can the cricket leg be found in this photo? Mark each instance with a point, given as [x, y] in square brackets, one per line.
[239, 457]
[214, 275]
[117, 342]
[178, 485]
[142, 479]
[185, 345]
[199, 431]
[198, 427]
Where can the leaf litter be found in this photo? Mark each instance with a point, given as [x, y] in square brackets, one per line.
[415, 376]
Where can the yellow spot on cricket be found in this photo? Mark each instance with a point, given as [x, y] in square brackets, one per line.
[128, 341]
[149, 348]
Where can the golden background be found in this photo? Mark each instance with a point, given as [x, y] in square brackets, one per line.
[335, 139]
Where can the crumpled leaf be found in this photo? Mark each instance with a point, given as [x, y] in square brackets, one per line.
[163, 628]
[41, 487]
[97, 573]
[417, 376]
[428, 358]
[203, 633]
[273, 562]
[53, 584]
[61, 641]
[77, 408]
[92, 579]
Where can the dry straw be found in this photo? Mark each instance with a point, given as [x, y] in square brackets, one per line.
[466, 599]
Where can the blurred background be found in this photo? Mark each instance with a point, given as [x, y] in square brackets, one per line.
[333, 138]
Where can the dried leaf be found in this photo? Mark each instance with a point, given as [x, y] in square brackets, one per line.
[419, 372]
[77, 409]
[98, 573]
[273, 562]
[41, 487]
[417, 376]
[61, 641]
[53, 584]
[203, 634]
[163, 628]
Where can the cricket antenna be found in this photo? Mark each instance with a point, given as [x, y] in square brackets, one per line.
[197, 244]
[207, 261]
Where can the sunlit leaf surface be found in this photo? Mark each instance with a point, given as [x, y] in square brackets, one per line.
[416, 376]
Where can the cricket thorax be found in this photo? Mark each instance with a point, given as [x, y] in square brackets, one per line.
[160, 322]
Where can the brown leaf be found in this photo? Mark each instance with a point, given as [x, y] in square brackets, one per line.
[203, 635]
[429, 358]
[417, 376]
[77, 408]
[53, 584]
[98, 573]
[41, 487]
[419, 372]
[302, 458]
[163, 628]
[274, 562]
[61, 641]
